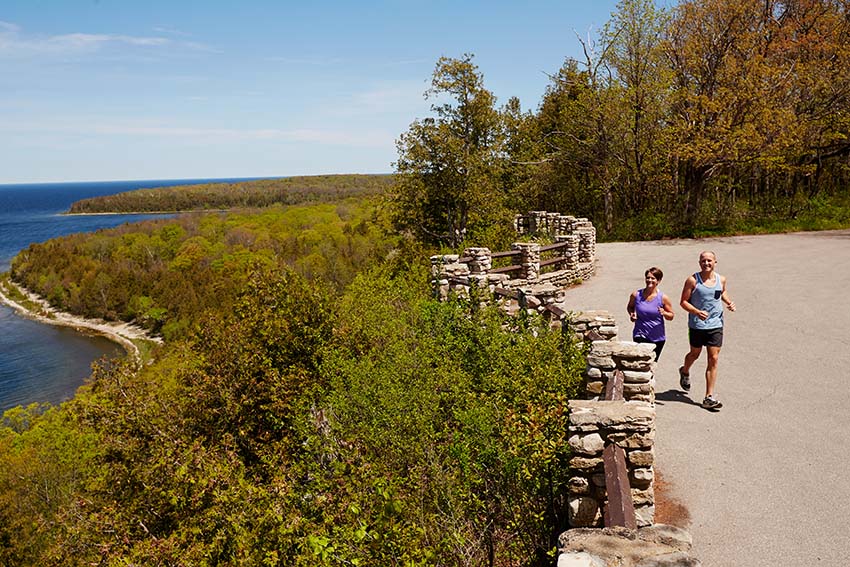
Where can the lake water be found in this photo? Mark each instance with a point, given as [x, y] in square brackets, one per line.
[45, 363]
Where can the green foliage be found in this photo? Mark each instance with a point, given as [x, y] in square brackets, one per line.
[377, 428]
[217, 196]
[466, 419]
[448, 171]
[163, 273]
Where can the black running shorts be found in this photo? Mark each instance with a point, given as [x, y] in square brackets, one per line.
[705, 337]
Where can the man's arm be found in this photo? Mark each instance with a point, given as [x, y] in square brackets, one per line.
[724, 297]
[685, 301]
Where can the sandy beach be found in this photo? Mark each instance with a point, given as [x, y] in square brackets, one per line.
[121, 333]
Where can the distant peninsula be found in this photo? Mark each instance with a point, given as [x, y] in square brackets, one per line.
[244, 194]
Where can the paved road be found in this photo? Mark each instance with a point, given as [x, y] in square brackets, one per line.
[766, 479]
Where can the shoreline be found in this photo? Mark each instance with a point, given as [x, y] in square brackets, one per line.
[70, 214]
[122, 333]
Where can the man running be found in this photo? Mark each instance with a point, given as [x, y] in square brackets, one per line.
[702, 297]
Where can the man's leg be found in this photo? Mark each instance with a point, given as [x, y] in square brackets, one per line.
[711, 369]
[690, 358]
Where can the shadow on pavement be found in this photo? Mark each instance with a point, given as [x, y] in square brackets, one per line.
[674, 396]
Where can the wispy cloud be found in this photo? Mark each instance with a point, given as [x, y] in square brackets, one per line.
[14, 43]
[389, 97]
[171, 31]
[369, 138]
[308, 60]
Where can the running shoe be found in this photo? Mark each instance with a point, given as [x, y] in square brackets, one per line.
[684, 379]
[710, 403]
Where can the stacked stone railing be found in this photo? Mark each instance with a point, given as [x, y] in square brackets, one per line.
[533, 270]
[597, 422]
[611, 435]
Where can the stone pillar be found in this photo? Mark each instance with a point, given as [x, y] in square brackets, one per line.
[593, 425]
[537, 222]
[570, 251]
[530, 259]
[587, 240]
[589, 322]
[447, 274]
[564, 225]
[519, 224]
[552, 224]
[482, 260]
[635, 360]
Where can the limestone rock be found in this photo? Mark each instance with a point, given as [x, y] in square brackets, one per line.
[579, 485]
[584, 512]
[677, 559]
[585, 464]
[641, 458]
[600, 361]
[587, 444]
[635, 376]
[652, 546]
[580, 559]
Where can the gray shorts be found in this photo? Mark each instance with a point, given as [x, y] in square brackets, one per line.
[705, 337]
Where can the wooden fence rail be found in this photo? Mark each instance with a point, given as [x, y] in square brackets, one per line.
[619, 510]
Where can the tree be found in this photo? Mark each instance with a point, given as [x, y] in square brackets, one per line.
[640, 84]
[448, 165]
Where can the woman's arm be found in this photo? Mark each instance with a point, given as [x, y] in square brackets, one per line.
[666, 308]
[631, 306]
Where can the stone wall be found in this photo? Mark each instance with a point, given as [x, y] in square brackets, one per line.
[457, 273]
[635, 360]
[593, 425]
[630, 423]
[593, 325]
[658, 545]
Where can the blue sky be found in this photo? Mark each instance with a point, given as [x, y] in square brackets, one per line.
[123, 89]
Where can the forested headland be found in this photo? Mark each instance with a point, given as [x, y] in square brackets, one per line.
[217, 196]
[312, 404]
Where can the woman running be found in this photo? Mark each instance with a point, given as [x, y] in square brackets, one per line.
[648, 307]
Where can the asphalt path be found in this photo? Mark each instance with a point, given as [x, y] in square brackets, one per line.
[767, 478]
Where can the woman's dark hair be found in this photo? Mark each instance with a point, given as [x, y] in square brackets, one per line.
[656, 272]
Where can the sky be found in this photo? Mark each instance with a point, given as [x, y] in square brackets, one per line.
[95, 90]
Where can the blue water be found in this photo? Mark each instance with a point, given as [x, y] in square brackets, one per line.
[44, 363]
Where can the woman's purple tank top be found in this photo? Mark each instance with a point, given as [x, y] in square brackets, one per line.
[650, 323]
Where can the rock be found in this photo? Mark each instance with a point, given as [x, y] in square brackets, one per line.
[641, 458]
[584, 464]
[593, 372]
[677, 559]
[591, 444]
[600, 361]
[641, 365]
[652, 546]
[634, 376]
[579, 559]
[644, 516]
[669, 535]
[579, 485]
[584, 512]
[616, 415]
[636, 441]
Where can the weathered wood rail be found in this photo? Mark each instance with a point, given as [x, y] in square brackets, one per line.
[619, 509]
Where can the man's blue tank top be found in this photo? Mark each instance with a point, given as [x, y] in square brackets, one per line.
[708, 299]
